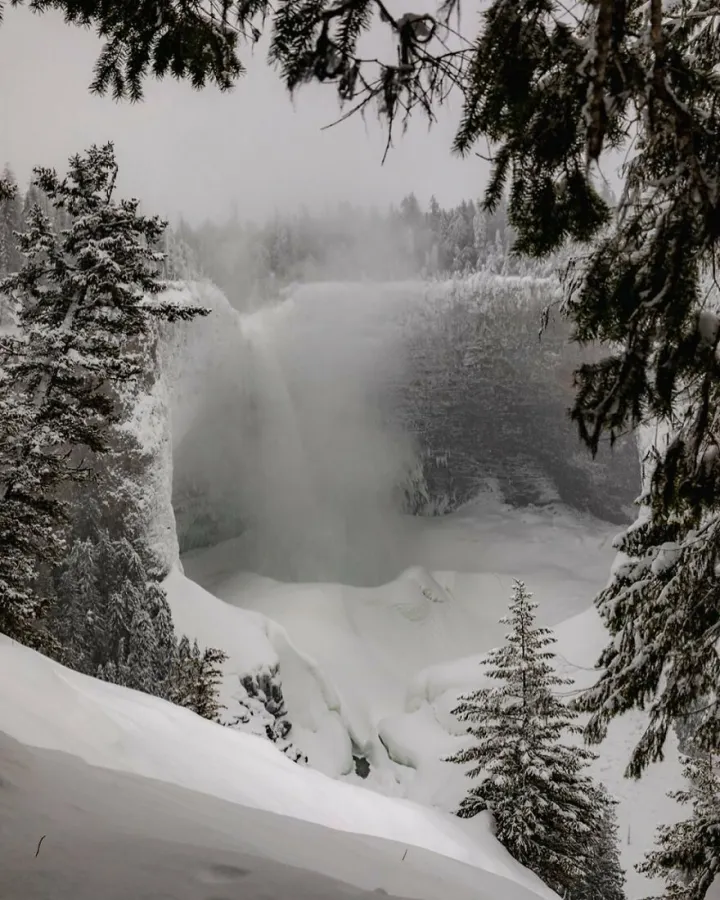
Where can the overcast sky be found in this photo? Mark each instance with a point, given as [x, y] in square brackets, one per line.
[198, 153]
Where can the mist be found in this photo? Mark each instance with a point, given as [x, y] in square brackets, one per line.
[322, 476]
[284, 441]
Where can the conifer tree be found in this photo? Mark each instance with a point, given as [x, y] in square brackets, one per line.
[261, 711]
[209, 675]
[687, 855]
[662, 605]
[10, 222]
[165, 640]
[603, 877]
[119, 610]
[73, 621]
[142, 651]
[88, 308]
[200, 675]
[545, 807]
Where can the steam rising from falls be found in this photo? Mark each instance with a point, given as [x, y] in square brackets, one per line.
[309, 468]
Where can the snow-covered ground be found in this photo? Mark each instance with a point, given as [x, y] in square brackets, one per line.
[376, 672]
[140, 798]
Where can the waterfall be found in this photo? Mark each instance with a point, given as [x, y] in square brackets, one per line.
[322, 467]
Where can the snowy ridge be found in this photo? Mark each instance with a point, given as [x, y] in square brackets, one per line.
[255, 644]
[46, 706]
[113, 835]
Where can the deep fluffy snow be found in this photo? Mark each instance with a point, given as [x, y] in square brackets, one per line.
[80, 809]
[110, 835]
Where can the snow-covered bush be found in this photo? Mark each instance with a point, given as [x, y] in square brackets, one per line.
[262, 711]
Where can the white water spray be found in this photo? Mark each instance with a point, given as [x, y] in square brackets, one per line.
[320, 485]
[288, 446]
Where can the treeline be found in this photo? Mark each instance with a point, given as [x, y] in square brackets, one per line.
[79, 579]
[486, 397]
[250, 262]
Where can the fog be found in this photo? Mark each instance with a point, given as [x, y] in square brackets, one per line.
[204, 154]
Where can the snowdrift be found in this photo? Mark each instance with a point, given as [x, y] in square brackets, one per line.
[361, 648]
[43, 705]
[395, 659]
[113, 835]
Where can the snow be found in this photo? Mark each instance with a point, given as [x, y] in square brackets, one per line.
[370, 643]
[113, 835]
[43, 705]
[667, 555]
[256, 644]
[398, 656]
[366, 671]
[375, 671]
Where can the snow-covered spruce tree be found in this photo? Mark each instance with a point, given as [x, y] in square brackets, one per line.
[198, 678]
[546, 809]
[603, 877]
[110, 618]
[662, 606]
[73, 618]
[87, 308]
[687, 855]
[10, 222]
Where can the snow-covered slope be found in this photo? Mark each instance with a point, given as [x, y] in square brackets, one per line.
[428, 731]
[370, 643]
[111, 835]
[395, 658]
[43, 705]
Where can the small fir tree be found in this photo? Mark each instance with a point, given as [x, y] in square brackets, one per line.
[262, 712]
[165, 640]
[142, 646]
[687, 855]
[544, 806]
[72, 621]
[10, 222]
[118, 614]
[208, 674]
[197, 679]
